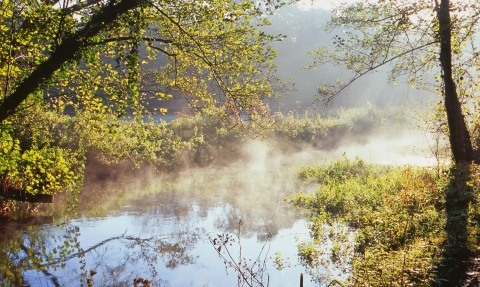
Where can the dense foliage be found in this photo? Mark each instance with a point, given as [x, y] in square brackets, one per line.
[196, 141]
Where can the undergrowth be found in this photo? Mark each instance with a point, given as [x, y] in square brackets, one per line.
[398, 223]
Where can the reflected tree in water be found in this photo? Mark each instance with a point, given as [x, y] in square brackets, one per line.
[115, 261]
[35, 250]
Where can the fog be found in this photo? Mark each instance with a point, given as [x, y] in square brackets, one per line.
[157, 226]
[260, 171]
[303, 24]
[252, 183]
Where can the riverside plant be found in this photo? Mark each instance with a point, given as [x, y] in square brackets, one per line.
[249, 273]
[405, 231]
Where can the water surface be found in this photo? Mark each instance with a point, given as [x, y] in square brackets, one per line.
[140, 224]
[161, 229]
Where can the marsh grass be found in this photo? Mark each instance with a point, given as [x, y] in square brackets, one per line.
[410, 225]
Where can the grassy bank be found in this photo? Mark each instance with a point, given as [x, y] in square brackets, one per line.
[390, 226]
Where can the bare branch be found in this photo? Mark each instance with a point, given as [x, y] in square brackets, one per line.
[332, 94]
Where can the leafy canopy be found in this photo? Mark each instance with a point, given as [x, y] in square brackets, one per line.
[209, 50]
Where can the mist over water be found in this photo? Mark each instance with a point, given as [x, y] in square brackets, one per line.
[392, 147]
[139, 223]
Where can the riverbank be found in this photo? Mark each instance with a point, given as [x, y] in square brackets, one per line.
[390, 225]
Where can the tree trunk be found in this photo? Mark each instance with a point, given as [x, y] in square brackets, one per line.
[460, 141]
[65, 52]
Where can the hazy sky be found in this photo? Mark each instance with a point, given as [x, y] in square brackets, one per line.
[324, 4]
[327, 4]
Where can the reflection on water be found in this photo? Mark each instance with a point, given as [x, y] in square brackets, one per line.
[158, 229]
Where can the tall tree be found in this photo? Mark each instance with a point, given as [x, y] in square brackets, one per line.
[413, 38]
[459, 136]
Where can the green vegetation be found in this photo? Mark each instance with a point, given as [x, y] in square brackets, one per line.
[331, 130]
[107, 56]
[47, 152]
[411, 226]
[390, 225]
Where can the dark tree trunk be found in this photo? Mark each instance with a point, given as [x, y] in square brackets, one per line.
[460, 141]
[65, 52]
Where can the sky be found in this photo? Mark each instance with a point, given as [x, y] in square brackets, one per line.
[327, 4]
[323, 4]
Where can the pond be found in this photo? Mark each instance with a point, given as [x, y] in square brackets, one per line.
[165, 230]
[143, 225]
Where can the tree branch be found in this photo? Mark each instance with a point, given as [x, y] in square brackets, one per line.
[82, 252]
[163, 51]
[65, 52]
[330, 95]
[116, 39]
[81, 5]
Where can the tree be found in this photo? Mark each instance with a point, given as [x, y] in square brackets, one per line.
[47, 44]
[415, 38]
[104, 57]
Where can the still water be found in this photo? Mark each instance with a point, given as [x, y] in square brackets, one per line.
[140, 225]
[143, 225]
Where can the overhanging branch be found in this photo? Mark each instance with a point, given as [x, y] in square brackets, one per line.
[332, 94]
[65, 52]
[126, 38]
[163, 51]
